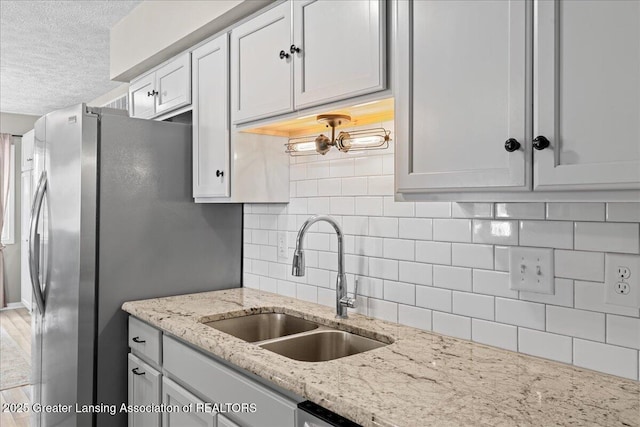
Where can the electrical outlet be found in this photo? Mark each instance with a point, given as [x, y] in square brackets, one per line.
[621, 280]
[282, 245]
[531, 270]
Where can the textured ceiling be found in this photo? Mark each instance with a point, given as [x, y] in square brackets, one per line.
[55, 53]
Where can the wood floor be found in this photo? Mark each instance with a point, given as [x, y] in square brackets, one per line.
[17, 323]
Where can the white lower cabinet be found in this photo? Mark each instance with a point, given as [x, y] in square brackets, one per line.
[174, 395]
[144, 389]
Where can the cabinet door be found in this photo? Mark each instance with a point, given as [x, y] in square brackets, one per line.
[142, 98]
[27, 150]
[461, 93]
[211, 119]
[144, 389]
[174, 395]
[173, 84]
[261, 81]
[225, 422]
[587, 98]
[342, 49]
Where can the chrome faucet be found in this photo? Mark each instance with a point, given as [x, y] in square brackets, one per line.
[297, 269]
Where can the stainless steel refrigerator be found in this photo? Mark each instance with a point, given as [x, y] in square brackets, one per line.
[113, 220]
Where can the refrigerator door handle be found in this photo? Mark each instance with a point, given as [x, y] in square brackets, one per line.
[33, 228]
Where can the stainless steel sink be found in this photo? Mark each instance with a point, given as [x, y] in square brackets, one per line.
[322, 345]
[261, 327]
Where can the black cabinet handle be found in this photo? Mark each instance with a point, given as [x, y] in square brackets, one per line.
[150, 93]
[540, 142]
[511, 145]
[135, 371]
[219, 173]
[138, 340]
[283, 54]
[153, 93]
[293, 49]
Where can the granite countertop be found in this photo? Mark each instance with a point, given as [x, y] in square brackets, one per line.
[422, 378]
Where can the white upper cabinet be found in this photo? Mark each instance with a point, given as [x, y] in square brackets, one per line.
[330, 50]
[162, 90]
[461, 95]
[27, 150]
[211, 119]
[587, 86]
[557, 82]
[261, 65]
[338, 49]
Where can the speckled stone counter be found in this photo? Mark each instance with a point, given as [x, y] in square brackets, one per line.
[420, 379]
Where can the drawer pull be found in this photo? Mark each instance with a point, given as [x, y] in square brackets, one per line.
[135, 371]
[138, 340]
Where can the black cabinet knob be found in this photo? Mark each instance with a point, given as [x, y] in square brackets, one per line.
[511, 145]
[283, 54]
[219, 173]
[293, 49]
[149, 93]
[540, 142]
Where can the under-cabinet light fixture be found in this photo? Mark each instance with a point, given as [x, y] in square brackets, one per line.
[366, 139]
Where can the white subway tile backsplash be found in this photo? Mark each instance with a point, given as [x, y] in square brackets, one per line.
[393, 208]
[380, 185]
[576, 323]
[399, 249]
[613, 360]
[452, 230]
[416, 272]
[383, 268]
[444, 265]
[371, 206]
[415, 228]
[473, 305]
[579, 265]
[400, 292]
[590, 296]
[384, 310]
[624, 331]
[608, 237]
[495, 232]
[563, 294]
[341, 168]
[370, 165]
[433, 209]
[433, 252]
[495, 334]
[492, 283]
[383, 227]
[452, 325]
[433, 298]
[472, 210]
[547, 234]
[520, 313]
[543, 344]
[414, 316]
[472, 255]
[354, 186]
[576, 211]
[456, 278]
[520, 210]
[623, 212]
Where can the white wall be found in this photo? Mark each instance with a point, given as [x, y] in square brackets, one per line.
[157, 30]
[16, 124]
[435, 267]
[109, 96]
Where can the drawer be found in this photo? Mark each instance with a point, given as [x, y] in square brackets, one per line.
[145, 341]
[222, 385]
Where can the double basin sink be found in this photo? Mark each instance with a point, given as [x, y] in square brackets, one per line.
[295, 338]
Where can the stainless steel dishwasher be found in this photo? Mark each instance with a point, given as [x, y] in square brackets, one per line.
[312, 415]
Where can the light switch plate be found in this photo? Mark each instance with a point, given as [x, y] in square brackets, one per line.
[621, 274]
[531, 270]
[282, 245]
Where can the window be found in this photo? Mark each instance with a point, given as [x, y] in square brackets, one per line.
[9, 226]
